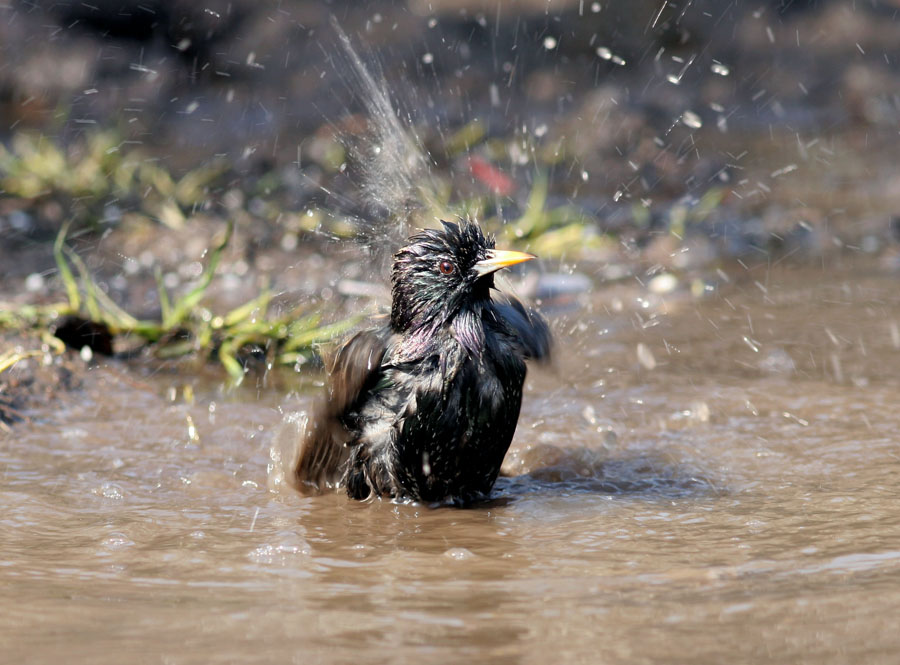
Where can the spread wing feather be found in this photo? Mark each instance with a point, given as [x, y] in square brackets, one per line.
[353, 371]
[531, 330]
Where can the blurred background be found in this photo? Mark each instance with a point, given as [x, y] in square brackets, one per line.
[752, 125]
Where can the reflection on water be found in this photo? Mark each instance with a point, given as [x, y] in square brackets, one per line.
[736, 502]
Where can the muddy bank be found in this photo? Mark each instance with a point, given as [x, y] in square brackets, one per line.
[33, 376]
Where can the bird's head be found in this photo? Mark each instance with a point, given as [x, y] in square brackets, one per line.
[440, 272]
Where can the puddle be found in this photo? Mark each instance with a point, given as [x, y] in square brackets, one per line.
[737, 501]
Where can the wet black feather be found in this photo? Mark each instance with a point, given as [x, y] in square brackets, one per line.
[425, 407]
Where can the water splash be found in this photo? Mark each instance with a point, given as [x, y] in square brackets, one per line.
[284, 451]
[394, 165]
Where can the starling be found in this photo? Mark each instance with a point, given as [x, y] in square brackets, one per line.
[425, 407]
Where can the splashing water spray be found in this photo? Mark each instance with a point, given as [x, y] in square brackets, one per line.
[395, 167]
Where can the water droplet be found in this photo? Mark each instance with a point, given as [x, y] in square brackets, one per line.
[280, 553]
[691, 119]
[117, 541]
[289, 242]
[783, 170]
[495, 95]
[700, 412]
[720, 69]
[428, 58]
[606, 54]
[110, 491]
[663, 283]
[645, 356]
[550, 42]
[459, 553]
[193, 435]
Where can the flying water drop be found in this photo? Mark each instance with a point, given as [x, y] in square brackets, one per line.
[691, 119]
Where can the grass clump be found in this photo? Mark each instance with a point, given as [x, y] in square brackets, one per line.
[185, 328]
[99, 169]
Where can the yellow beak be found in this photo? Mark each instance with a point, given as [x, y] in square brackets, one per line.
[499, 258]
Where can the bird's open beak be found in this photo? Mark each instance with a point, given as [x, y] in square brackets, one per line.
[499, 258]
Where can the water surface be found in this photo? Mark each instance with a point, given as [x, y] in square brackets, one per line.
[696, 480]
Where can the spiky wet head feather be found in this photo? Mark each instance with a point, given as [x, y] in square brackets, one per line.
[434, 275]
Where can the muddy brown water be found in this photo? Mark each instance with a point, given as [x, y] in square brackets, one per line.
[726, 492]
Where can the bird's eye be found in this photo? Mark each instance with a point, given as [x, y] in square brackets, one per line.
[446, 268]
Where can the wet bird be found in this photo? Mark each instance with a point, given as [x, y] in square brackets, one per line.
[424, 408]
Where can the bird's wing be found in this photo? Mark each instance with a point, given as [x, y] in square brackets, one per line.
[354, 370]
[530, 328]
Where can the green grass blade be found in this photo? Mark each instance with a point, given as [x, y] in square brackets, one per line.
[90, 288]
[65, 272]
[183, 306]
[114, 316]
[245, 311]
[164, 305]
[7, 360]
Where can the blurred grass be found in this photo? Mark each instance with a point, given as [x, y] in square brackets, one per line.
[97, 169]
[185, 328]
[100, 169]
[87, 174]
[10, 358]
